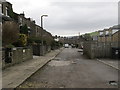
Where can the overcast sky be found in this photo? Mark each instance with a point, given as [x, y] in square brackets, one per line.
[69, 17]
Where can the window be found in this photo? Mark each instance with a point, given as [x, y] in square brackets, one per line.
[95, 38]
[107, 32]
[101, 33]
[20, 20]
[6, 11]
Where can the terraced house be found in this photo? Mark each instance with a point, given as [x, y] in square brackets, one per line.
[21, 34]
[106, 42]
[8, 14]
[110, 35]
[6, 10]
[29, 23]
[116, 36]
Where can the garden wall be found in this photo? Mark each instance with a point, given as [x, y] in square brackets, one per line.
[16, 55]
[39, 50]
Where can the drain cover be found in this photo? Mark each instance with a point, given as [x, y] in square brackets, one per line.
[113, 83]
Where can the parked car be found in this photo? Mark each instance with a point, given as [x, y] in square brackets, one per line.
[66, 45]
[73, 46]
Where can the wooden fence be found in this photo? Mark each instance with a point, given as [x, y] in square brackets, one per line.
[100, 49]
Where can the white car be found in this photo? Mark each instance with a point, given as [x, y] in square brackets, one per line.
[66, 45]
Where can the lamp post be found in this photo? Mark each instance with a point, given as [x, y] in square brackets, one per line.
[42, 31]
[42, 19]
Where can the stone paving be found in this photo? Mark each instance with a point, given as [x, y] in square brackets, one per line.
[17, 74]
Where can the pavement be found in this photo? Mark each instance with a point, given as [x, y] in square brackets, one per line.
[110, 62]
[17, 74]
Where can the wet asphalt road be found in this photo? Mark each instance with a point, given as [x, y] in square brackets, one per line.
[70, 69]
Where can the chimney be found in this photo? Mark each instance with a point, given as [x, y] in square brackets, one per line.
[33, 21]
[22, 14]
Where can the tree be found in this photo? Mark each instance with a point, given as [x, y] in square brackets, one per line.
[87, 37]
[24, 29]
[10, 33]
[22, 40]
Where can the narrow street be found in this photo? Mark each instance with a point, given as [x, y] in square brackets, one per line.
[70, 69]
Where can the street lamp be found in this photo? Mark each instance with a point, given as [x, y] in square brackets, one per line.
[42, 31]
[42, 20]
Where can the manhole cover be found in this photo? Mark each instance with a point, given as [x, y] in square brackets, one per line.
[113, 83]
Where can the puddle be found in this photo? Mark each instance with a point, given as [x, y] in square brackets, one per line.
[59, 63]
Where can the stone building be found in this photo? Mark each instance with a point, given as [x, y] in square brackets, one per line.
[6, 10]
[22, 20]
[47, 36]
[108, 35]
[101, 37]
[33, 29]
[108, 44]
[38, 31]
[115, 38]
[7, 14]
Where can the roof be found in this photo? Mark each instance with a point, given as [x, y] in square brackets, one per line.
[3, 1]
[116, 32]
[116, 27]
[96, 33]
[5, 18]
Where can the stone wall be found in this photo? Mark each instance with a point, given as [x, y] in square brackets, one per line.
[17, 55]
[39, 50]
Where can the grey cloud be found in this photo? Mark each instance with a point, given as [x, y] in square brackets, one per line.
[73, 17]
[91, 19]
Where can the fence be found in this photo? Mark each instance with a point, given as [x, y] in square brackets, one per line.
[11, 56]
[98, 49]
